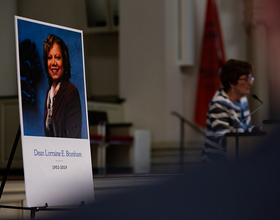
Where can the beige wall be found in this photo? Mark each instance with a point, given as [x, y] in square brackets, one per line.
[8, 83]
[150, 77]
[142, 65]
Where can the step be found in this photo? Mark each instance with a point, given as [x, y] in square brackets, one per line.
[173, 155]
[168, 160]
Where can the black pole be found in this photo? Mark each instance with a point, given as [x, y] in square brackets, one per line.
[9, 162]
[182, 145]
[237, 145]
[32, 213]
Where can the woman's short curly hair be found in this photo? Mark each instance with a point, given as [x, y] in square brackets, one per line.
[232, 70]
[48, 44]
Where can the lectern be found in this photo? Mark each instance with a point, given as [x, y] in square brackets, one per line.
[248, 142]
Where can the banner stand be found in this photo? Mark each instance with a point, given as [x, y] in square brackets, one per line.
[33, 210]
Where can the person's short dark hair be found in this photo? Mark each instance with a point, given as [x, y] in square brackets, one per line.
[48, 44]
[232, 70]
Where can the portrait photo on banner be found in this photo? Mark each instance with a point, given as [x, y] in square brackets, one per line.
[53, 114]
[52, 81]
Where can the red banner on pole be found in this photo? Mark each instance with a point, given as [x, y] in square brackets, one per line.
[211, 60]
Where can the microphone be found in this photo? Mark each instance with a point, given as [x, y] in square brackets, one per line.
[256, 109]
[257, 98]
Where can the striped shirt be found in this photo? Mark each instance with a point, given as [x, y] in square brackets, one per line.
[224, 116]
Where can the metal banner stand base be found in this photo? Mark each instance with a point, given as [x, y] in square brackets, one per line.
[33, 210]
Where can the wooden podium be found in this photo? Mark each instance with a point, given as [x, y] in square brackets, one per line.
[271, 124]
[247, 143]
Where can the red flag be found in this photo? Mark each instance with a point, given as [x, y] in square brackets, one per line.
[211, 60]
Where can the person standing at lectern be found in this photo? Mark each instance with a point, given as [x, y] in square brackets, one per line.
[62, 113]
[227, 109]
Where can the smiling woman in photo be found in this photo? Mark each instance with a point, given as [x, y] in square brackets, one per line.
[62, 112]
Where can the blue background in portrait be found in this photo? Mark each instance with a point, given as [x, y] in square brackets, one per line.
[33, 115]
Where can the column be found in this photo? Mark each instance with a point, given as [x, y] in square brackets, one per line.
[258, 55]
